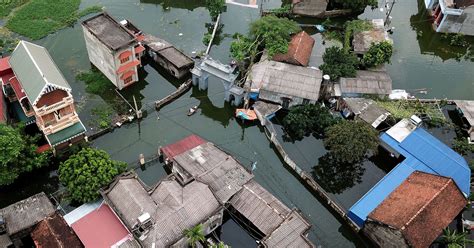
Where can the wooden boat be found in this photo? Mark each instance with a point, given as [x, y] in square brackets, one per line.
[192, 110]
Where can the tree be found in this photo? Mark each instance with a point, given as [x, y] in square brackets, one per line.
[85, 172]
[462, 146]
[339, 63]
[18, 154]
[453, 239]
[351, 141]
[356, 5]
[194, 235]
[215, 7]
[378, 54]
[305, 119]
[274, 33]
[220, 245]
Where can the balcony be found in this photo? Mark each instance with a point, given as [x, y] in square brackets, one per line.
[56, 126]
[66, 101]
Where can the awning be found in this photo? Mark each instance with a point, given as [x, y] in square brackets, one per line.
[66, 134]
[128, 66]
[245, 114]
[125, 54]
[127, 74]
[139, 49]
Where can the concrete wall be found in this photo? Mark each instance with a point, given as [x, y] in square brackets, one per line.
[383, 236]
[463, 24]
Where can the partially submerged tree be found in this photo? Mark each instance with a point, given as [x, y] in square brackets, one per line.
[194, 235]
[85, 172]
[356, 5]
[215, 7]
[351, 141]
[378, 54]
[306, 119]
[18, 154]
[339, 63]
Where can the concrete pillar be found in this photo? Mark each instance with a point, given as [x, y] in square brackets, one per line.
[227, 95]
[238, 100]
[195, 80]
[203, 82]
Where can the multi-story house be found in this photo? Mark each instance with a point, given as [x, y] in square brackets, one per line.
[43, 94]
[113, 49]
[452, 16]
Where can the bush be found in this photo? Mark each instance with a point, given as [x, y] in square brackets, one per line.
[351, 141]
[339, 63]
[86, 172]
[378, 54]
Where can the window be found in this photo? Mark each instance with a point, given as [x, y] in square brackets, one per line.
[128, 80]
[125, 59]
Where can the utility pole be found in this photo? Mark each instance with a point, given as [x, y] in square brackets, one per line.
[387, 18]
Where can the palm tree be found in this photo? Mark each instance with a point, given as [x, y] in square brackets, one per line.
[194, 235]
[454, 240]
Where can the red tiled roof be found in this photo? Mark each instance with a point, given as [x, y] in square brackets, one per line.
[5, 65]
[139, 49]
[125, 54]
[53, 232]
[43, 148]
[421, 207]
[181, 146]
[128, 66]
[20, 94]
[299, 50]
[3, 109]
[100, 228]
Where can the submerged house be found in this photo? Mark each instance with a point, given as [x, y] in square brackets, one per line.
[41, 94]
[112, 48]
[284, 84]
[419, 151]
[363, 40]
[376, 83]
[299, 50]
[452, 16]
[416, 212]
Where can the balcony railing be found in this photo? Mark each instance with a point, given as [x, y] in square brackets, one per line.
[66, 121]
[51, 108]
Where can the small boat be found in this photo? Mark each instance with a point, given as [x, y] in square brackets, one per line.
[192, 110]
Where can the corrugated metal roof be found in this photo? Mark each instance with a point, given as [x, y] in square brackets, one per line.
[181, 146]
[422, 152]
[35, 69]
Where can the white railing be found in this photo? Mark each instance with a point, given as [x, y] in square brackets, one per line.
[59, 105]
[65, 122]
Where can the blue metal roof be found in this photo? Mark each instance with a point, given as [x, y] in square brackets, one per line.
[422, 152]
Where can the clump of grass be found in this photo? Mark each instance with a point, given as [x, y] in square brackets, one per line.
[96, 82]
[6, 6]
[102, 116]
[38, 18]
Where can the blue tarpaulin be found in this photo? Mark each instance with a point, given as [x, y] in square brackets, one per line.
[422, 152]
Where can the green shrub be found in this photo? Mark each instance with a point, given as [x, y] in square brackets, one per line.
[339, 63]
[378, 54]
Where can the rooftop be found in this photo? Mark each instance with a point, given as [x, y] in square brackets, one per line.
[208, 164]
[292, 80]
[109, 31]
[291, 233]
[36, 70]
[181, 146]
[27, 213]
[66, 134]
[100, 227]
[299, 50]
[467, 108]
[367, 110]
[309, 7]
[419, 209]
[367, 82]
[363, 40]
[53, 232]
[4, 65]
[168, 51]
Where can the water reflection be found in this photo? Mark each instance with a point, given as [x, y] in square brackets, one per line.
[223, 115]
[335, 176]
[439, 44]
[180, 4]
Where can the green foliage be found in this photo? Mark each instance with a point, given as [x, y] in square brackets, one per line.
[352, 27]
[194, 235]
[241, 47]
[17, 154]
[284, 10]
[274, 33]
[356, 5]
[6, 6]
[378, 54]
[339, 63]
[85, 172]
[456, 39]
[96, 82]
[102, 116]
[462, 146]
[215, 7]
[38, 18]
[351, 141]
[405, 109]
[306, 119]
[207, 38]
[220, 245]
[452, 239]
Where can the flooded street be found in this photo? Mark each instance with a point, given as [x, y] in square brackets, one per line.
[418, 62]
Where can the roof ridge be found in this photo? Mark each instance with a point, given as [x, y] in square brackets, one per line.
[260, 198]
[446, 184]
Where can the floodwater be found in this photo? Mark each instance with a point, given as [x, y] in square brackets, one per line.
[418, 62]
